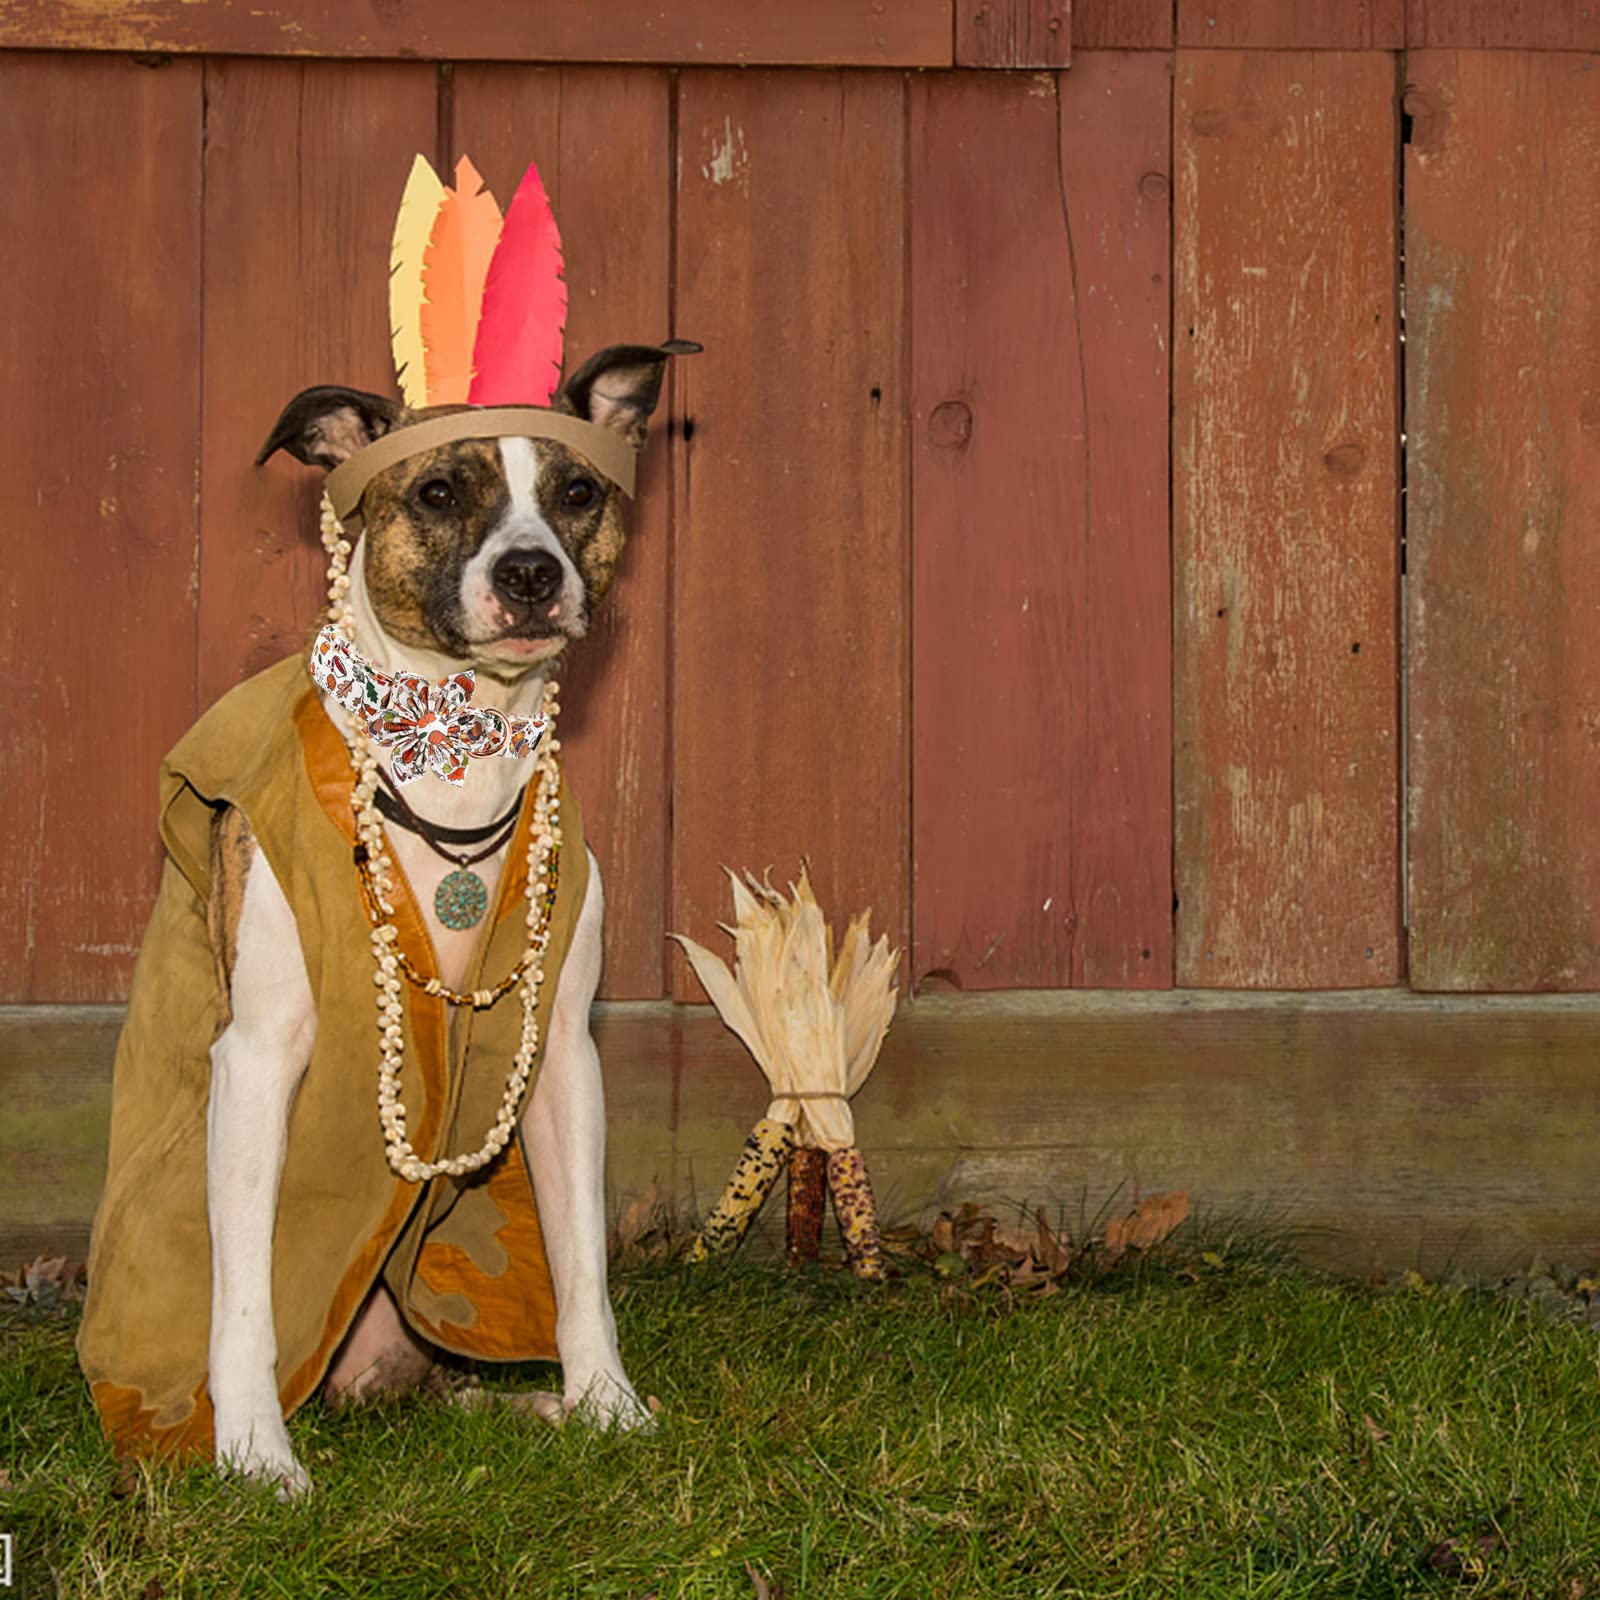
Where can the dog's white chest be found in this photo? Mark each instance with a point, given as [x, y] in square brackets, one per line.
[425, 870]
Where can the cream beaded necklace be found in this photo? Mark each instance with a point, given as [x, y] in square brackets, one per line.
[544, 846]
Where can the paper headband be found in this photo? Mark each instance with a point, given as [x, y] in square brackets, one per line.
[478, 312]
[611, 455]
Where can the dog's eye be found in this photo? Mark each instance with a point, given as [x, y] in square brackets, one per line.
[437, 495]
[580, 492]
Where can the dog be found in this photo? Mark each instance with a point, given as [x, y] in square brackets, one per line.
[489, 554]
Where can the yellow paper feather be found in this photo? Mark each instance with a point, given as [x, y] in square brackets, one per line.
[413, 224]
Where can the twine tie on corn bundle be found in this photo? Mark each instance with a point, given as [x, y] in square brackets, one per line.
[814, 1024]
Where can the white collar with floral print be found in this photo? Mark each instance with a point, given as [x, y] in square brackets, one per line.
[432, 727]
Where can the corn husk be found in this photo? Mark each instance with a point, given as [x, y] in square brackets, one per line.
[813, 1020]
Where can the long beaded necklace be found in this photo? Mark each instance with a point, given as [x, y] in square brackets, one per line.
[372, 865]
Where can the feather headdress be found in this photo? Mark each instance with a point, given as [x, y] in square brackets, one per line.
[477, 303]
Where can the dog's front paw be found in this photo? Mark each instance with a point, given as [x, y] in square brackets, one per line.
[258, 1448]
[607, 1401]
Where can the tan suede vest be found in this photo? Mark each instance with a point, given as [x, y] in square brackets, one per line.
[464, 1257]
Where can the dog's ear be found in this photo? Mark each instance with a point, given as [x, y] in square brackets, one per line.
[327, 425]
[619, 387]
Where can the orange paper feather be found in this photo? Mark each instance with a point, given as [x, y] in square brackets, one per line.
[517, 357]
[455, 269]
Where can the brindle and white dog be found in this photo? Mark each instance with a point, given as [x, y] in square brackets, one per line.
[483, 553]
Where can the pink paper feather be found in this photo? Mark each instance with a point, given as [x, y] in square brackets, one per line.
[516, 359]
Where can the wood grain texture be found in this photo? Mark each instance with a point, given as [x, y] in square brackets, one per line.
[839, 32]
[1286, 539]
[1292, 24]
[305, 162]
[1041, 649]
[1121, 25]
[789, 616]
[1503, 491]
[1396, 1130]
[1013, 33]
[100, 253]
[602, 138]
[1503, 24]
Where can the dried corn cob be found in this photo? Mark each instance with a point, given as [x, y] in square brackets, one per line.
[765, 1151]
[808, 1201]
[856, 1210]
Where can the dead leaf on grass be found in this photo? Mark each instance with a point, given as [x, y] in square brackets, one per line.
[1455, 1558]
[764, 1590]
[636, 1220]
[1151, 1221]
[154, 1590]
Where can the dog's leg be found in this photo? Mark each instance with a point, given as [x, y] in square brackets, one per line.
[256, 1063]
[565, 1129]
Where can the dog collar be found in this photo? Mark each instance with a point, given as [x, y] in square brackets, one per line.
[606, 450]
[431, 727]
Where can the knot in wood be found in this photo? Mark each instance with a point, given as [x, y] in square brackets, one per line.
[950, 425]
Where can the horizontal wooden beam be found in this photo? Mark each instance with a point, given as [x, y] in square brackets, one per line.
[889, 33]
[1398, 1130]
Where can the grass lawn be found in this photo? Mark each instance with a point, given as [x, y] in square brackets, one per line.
[1234, 1427]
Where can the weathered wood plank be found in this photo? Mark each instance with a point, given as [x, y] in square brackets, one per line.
[1122, 25]
[1042, 646]
[887, 33]
[305, 163]
[789, 698]
[1503, 24]
[100, 343]
[1292, 24]
[1286, 521]
[1415, 1130]
[1013, 33]
[602, 138]
[1503, 495]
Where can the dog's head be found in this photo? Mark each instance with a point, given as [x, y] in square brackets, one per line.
[493, 551]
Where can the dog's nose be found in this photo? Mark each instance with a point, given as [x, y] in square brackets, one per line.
[526, 577]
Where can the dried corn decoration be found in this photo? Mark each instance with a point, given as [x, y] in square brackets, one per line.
[808, 1201]
[766, 1150]
[814, 1023]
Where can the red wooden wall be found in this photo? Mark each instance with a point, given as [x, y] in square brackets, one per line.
[1036, 560]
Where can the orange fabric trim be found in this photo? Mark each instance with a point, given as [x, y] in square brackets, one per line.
[130, 1426]
[328, 767]
[517, 1309]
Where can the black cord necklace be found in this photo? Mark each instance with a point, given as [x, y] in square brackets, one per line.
[462, 896]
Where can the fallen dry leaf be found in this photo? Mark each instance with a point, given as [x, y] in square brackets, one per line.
[1455, 1559]
[764, 1590]
[1054, 1255]
[637, 1219]
[1148, 1223]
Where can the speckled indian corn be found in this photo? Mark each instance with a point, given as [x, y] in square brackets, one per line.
[808, 1201]
[857, 1212]
[760, 1162]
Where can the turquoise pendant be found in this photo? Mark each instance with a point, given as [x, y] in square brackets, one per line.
[461, 899]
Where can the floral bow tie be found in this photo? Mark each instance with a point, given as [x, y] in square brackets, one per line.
[429, 725]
